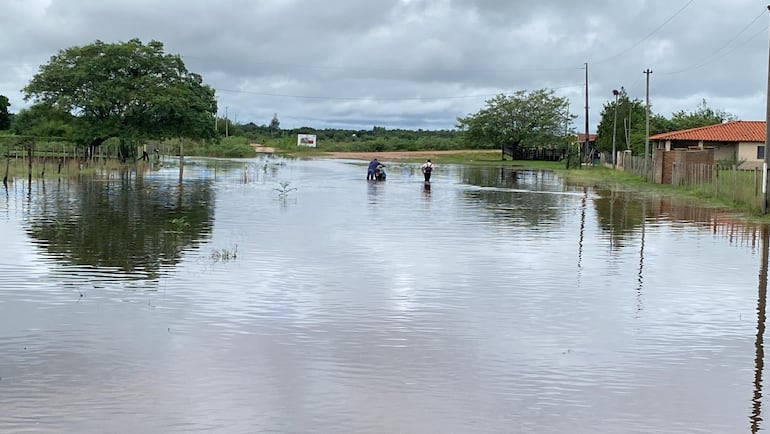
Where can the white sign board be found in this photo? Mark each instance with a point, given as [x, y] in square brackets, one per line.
[306, 140]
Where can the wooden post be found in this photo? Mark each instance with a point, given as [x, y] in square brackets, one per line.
[756, 181]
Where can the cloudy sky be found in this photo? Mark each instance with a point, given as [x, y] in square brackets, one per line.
[417, 63]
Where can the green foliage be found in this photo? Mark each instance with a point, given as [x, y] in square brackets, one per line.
[630, 127]
[5, 117]
[44, 121]
[378, 139]
[128, 90]
[524, 119]
[231, 147]
[700, 117]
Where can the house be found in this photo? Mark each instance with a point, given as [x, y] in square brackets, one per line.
[738, 141]
[581, 138]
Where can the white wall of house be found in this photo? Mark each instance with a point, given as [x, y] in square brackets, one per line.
[748, 151]
[725, 151]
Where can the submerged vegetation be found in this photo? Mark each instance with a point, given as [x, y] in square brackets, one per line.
[225, 255]
[284, 189]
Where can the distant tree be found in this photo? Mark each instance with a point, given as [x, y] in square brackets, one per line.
[275, 125]
[127, 90]
[629, 128]
[43, 121]
[5, 117]
[524, 119]
[702, 116]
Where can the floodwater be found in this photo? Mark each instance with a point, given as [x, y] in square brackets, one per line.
[290, 296]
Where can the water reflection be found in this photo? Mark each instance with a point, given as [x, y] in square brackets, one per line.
[508, 195]
[334, 303]
[373, 189]
[759, 358]
[122, 222]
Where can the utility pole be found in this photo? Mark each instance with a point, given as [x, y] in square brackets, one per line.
[586, 138]
[614, 126]
[647, 126]
[765, 177]
[226, 122]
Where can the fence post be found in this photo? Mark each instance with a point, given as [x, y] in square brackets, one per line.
[735, 184]
[756, 181]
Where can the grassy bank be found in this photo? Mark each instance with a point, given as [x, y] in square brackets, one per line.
[729, 192]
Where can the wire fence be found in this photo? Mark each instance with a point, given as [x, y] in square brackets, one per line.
[728, 183]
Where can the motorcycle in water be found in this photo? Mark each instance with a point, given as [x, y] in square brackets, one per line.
[379, 173]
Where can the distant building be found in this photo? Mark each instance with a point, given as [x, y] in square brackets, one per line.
[731, 141]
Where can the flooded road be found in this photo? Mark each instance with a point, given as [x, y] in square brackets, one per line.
[274, 295]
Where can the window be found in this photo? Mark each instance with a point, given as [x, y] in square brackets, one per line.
[761, 152]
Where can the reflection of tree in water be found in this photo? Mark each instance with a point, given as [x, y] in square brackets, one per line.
[620, 215]
[508, 194]
[124, 222]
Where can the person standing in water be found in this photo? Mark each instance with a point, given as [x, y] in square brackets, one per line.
[370, 170]
[426, 169]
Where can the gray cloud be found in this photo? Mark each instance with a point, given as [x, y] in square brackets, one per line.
[416, 63]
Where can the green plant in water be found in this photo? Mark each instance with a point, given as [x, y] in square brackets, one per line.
[225, 255]
[284, 190]
[180, 222]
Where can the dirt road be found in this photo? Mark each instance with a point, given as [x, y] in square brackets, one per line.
[398, 155]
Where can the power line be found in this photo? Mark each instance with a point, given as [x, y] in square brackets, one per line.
[715, 54]
[649, 35]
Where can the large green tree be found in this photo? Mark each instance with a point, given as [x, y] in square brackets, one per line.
[127, 90]
[5, 117]
[702, 116]
[523, 119]
[625, 120]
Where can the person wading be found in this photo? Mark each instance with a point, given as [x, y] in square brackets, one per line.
[370, 170]
[427, 169]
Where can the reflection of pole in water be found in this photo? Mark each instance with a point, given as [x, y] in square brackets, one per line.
[759, 357]
[640, 278]
[582, 224]
[612, 219]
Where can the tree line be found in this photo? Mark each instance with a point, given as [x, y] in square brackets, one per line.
[129, 93]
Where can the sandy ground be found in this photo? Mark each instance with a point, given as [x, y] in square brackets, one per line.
[397, 155]
[262, 149]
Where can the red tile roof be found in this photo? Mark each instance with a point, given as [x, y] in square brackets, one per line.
[582, 137]
[736, 131]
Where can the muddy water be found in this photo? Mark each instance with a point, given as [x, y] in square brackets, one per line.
[274, 295]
